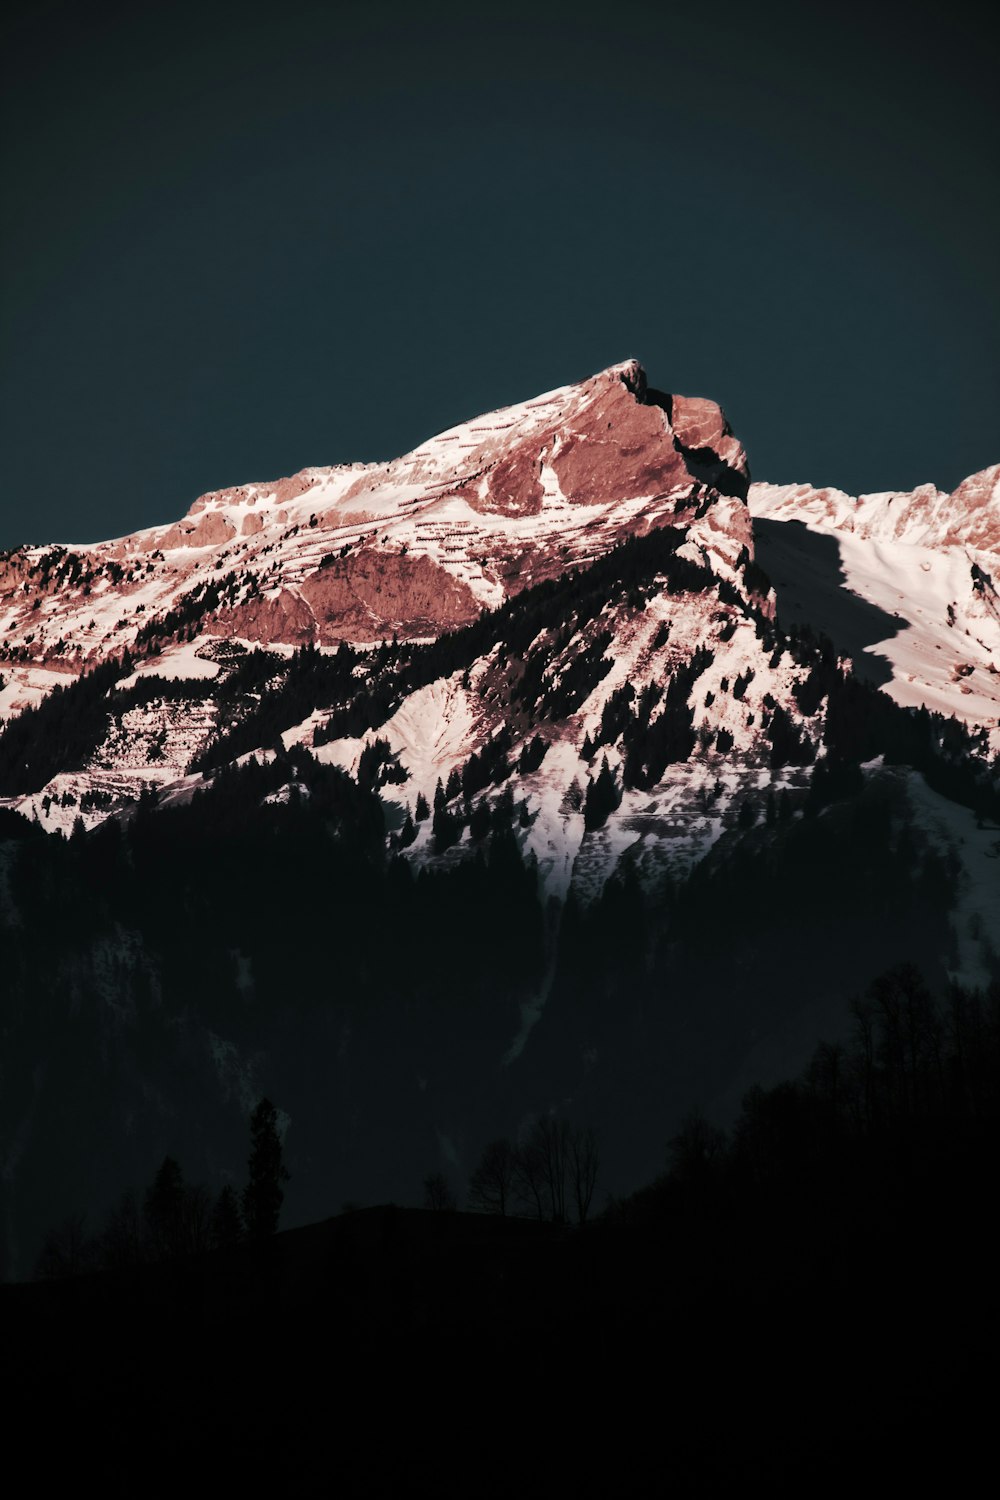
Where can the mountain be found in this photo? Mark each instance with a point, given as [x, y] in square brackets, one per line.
[925, 561]
[533, 771]
[362, 551]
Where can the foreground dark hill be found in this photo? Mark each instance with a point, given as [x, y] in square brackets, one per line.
[816, 1299]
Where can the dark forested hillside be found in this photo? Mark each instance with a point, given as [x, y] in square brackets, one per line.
[161, 973]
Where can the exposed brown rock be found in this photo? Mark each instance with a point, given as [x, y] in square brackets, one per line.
[213, 529]
[370, 593]
[619, 448]
[514, 486]
[290, 489]
[699, 423]
[283, 618]
[360, 597]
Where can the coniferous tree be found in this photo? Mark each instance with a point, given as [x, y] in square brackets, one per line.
[123, 1242]
[446, 828]
[747, 815]
[227, 1223]
[407, 833]
[163, 1209]
[479, 822]
[602, 797]
[263, 1194]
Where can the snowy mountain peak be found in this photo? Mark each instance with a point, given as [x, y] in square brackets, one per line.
[424, 542]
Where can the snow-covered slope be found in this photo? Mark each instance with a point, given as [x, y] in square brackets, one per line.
[903, 583]
[475, 515]
[536, 494]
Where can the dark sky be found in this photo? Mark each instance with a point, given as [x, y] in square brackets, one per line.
[240, 240]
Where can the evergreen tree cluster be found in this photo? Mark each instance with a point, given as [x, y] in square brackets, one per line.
[60, 733]
[790, 744]
[485, 818]
[650, 744]
[489, 767]
[269, 695]
[378, 766]
[174, 1218]
[862, 723]
[180, 622]
[916, 1086]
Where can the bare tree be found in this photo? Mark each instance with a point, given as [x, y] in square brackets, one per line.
[529, 1179]
[438, 1195]
[68, 1250]
[552, 1136]
[584, 1160]
[540, 1166]
[491, 1185]
[698, 1148]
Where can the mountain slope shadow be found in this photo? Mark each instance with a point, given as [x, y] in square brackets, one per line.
[811, 588]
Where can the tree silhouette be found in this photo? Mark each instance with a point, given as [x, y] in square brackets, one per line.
[227, 1223]
[163, 1210]
[68, 1250]
[438, 1196]
[263, 1194]
[492, 1183]
[584, 1159]
[541, 1169]
[124, 1242]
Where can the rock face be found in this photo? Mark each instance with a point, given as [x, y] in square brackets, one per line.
[363, 595]
[411, 546]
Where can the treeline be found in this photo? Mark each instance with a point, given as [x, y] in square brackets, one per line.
[174, 1218]
[156, 968]
[64, 730]
[267, 694]
[60, 733]
[914, 1091]
[454, 810]
[551, 1175]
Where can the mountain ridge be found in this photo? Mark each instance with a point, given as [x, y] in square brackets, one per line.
[413, 545]
[613, 847]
